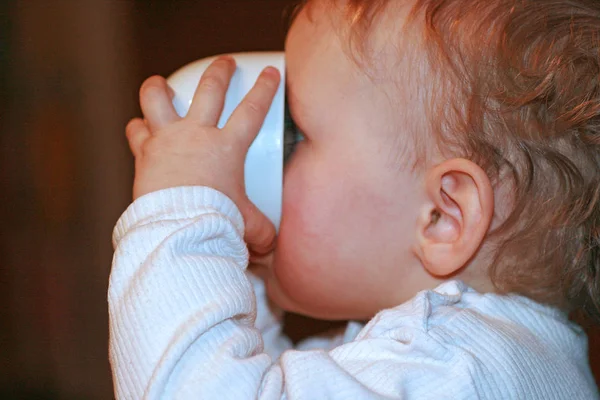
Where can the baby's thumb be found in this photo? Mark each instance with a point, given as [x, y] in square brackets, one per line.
[260, 231]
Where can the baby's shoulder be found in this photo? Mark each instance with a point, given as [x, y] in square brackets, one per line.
[507, 343]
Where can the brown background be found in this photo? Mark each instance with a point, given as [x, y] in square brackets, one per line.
[69, 75]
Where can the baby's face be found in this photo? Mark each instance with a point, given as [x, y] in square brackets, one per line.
[349, 205]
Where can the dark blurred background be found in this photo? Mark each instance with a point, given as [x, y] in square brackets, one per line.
[69, 77]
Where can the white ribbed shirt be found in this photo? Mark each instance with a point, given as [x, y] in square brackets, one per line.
[184, 325]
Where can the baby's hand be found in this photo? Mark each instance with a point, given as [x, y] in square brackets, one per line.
[173, 151]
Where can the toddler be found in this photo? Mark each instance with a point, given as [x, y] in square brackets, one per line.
[447, 195]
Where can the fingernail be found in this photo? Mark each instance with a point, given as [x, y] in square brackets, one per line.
[271, 71]
[227, 58]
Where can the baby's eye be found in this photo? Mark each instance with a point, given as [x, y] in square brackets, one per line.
[291, 135]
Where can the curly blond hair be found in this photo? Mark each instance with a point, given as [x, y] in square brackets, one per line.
[522, 100]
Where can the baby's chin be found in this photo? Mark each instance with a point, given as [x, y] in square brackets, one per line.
[279, 297]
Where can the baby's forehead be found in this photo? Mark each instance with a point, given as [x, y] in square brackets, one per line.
[382, 53]
[384, 42]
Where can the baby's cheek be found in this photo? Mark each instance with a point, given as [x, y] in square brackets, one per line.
[299, 235]
[311, 208]
[315, 251]
[303, 256]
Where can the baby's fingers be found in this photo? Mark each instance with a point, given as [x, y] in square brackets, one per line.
[156, 102]
[248, 117]
[209, 98]
[260, 232]
[137, 133]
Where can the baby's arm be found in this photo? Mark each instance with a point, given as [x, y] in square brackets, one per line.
[182, 309]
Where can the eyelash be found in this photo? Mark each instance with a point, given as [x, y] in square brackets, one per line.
[291, 135]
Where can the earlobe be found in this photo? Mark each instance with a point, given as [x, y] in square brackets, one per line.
[456, 218]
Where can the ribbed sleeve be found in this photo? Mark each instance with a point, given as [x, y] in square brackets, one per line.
[183, 325]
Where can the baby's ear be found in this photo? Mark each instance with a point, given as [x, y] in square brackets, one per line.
[456, 218]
